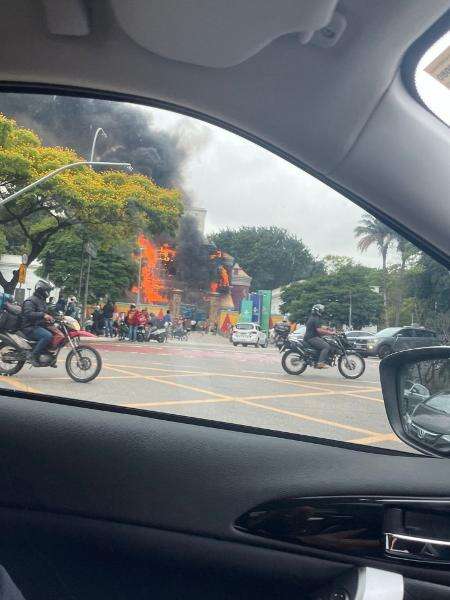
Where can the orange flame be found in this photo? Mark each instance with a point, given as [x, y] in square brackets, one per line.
[224, 279]
[151, 285]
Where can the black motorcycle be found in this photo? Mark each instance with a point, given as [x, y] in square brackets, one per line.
[297, 355]
[281, 333]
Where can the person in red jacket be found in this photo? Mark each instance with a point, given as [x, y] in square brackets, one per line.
[131, 322]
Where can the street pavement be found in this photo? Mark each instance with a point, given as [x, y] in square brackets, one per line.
[208, 378]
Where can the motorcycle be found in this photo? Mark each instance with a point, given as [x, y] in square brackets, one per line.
[141, 333]
[297, 355]
[281, 333]
[83, 363]
[158, 334]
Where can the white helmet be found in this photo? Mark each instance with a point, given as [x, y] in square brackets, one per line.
[318, 309]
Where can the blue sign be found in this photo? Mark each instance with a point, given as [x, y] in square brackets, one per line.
[256, 308]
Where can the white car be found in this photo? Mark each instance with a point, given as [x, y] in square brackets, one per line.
[298, 334]
[249, 334]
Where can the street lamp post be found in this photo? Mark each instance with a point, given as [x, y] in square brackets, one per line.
[94, 141]
[138, 295]
[74, 165]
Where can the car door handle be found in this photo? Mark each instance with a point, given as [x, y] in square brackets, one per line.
[414, 547]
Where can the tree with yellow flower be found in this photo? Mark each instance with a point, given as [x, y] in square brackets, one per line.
[108, 205]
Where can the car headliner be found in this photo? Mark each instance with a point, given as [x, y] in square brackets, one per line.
[341, 112]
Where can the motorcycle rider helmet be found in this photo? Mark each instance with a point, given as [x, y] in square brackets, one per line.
[318, 309]
[43, 289]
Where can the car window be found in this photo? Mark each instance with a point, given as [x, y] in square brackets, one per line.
[408, 333]
[440, 402]
[389, 332]
[153, 279]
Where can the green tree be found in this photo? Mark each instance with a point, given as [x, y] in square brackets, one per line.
[372, 232]
[344, 282]
[407, 252]
[112, 273]
[109, 204]
[428, 284]
[270, 255]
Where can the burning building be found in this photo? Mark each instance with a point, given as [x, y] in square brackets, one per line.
[189, 267]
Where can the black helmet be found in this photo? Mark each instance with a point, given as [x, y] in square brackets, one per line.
[318, 309]
[43, 289]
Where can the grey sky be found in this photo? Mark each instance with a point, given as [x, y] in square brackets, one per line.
[240, 183]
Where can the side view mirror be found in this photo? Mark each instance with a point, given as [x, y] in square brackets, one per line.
[416, 392]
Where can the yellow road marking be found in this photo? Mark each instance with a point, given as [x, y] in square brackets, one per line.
[172, 383]
[214, 400]
[179, 402]
[98, 377]
[18, 385]
[351, 394]
[382, 437]
[214, 374]
[309, 418]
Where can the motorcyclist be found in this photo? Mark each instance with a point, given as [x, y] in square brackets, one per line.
[314, 332]
[35, 319]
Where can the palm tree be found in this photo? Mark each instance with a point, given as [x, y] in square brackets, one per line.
[371, 232]
[406, 251]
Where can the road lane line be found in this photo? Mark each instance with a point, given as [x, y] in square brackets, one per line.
[309, 418]
[351, 394]
[293, 395]
[19, 385]
[178, 402]
[382, 437]
[229, 375]
[172, 383]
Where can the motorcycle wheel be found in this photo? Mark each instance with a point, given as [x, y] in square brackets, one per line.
[160, 339]
[140, 337]
[83, 364]
[7, 369]
[293, 363]
[355, 367]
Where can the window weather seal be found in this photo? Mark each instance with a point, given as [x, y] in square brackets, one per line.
[414, 54]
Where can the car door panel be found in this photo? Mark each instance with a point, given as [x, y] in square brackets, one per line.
[70, 469]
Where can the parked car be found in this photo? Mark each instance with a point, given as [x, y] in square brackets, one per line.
[359, 339]
[249, 334]
[394, 339]
[430, 421]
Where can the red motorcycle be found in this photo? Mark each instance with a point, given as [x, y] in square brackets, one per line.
[83, 363]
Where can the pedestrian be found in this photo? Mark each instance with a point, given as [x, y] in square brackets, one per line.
[97, 320]
[108, 312]
[61, 304]
[71, 307]
[130, 321]
[167, 317]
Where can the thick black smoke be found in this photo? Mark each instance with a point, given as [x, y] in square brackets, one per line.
[132, 134]
[193, 265]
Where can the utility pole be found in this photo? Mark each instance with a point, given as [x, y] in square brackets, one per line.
[91, 251]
